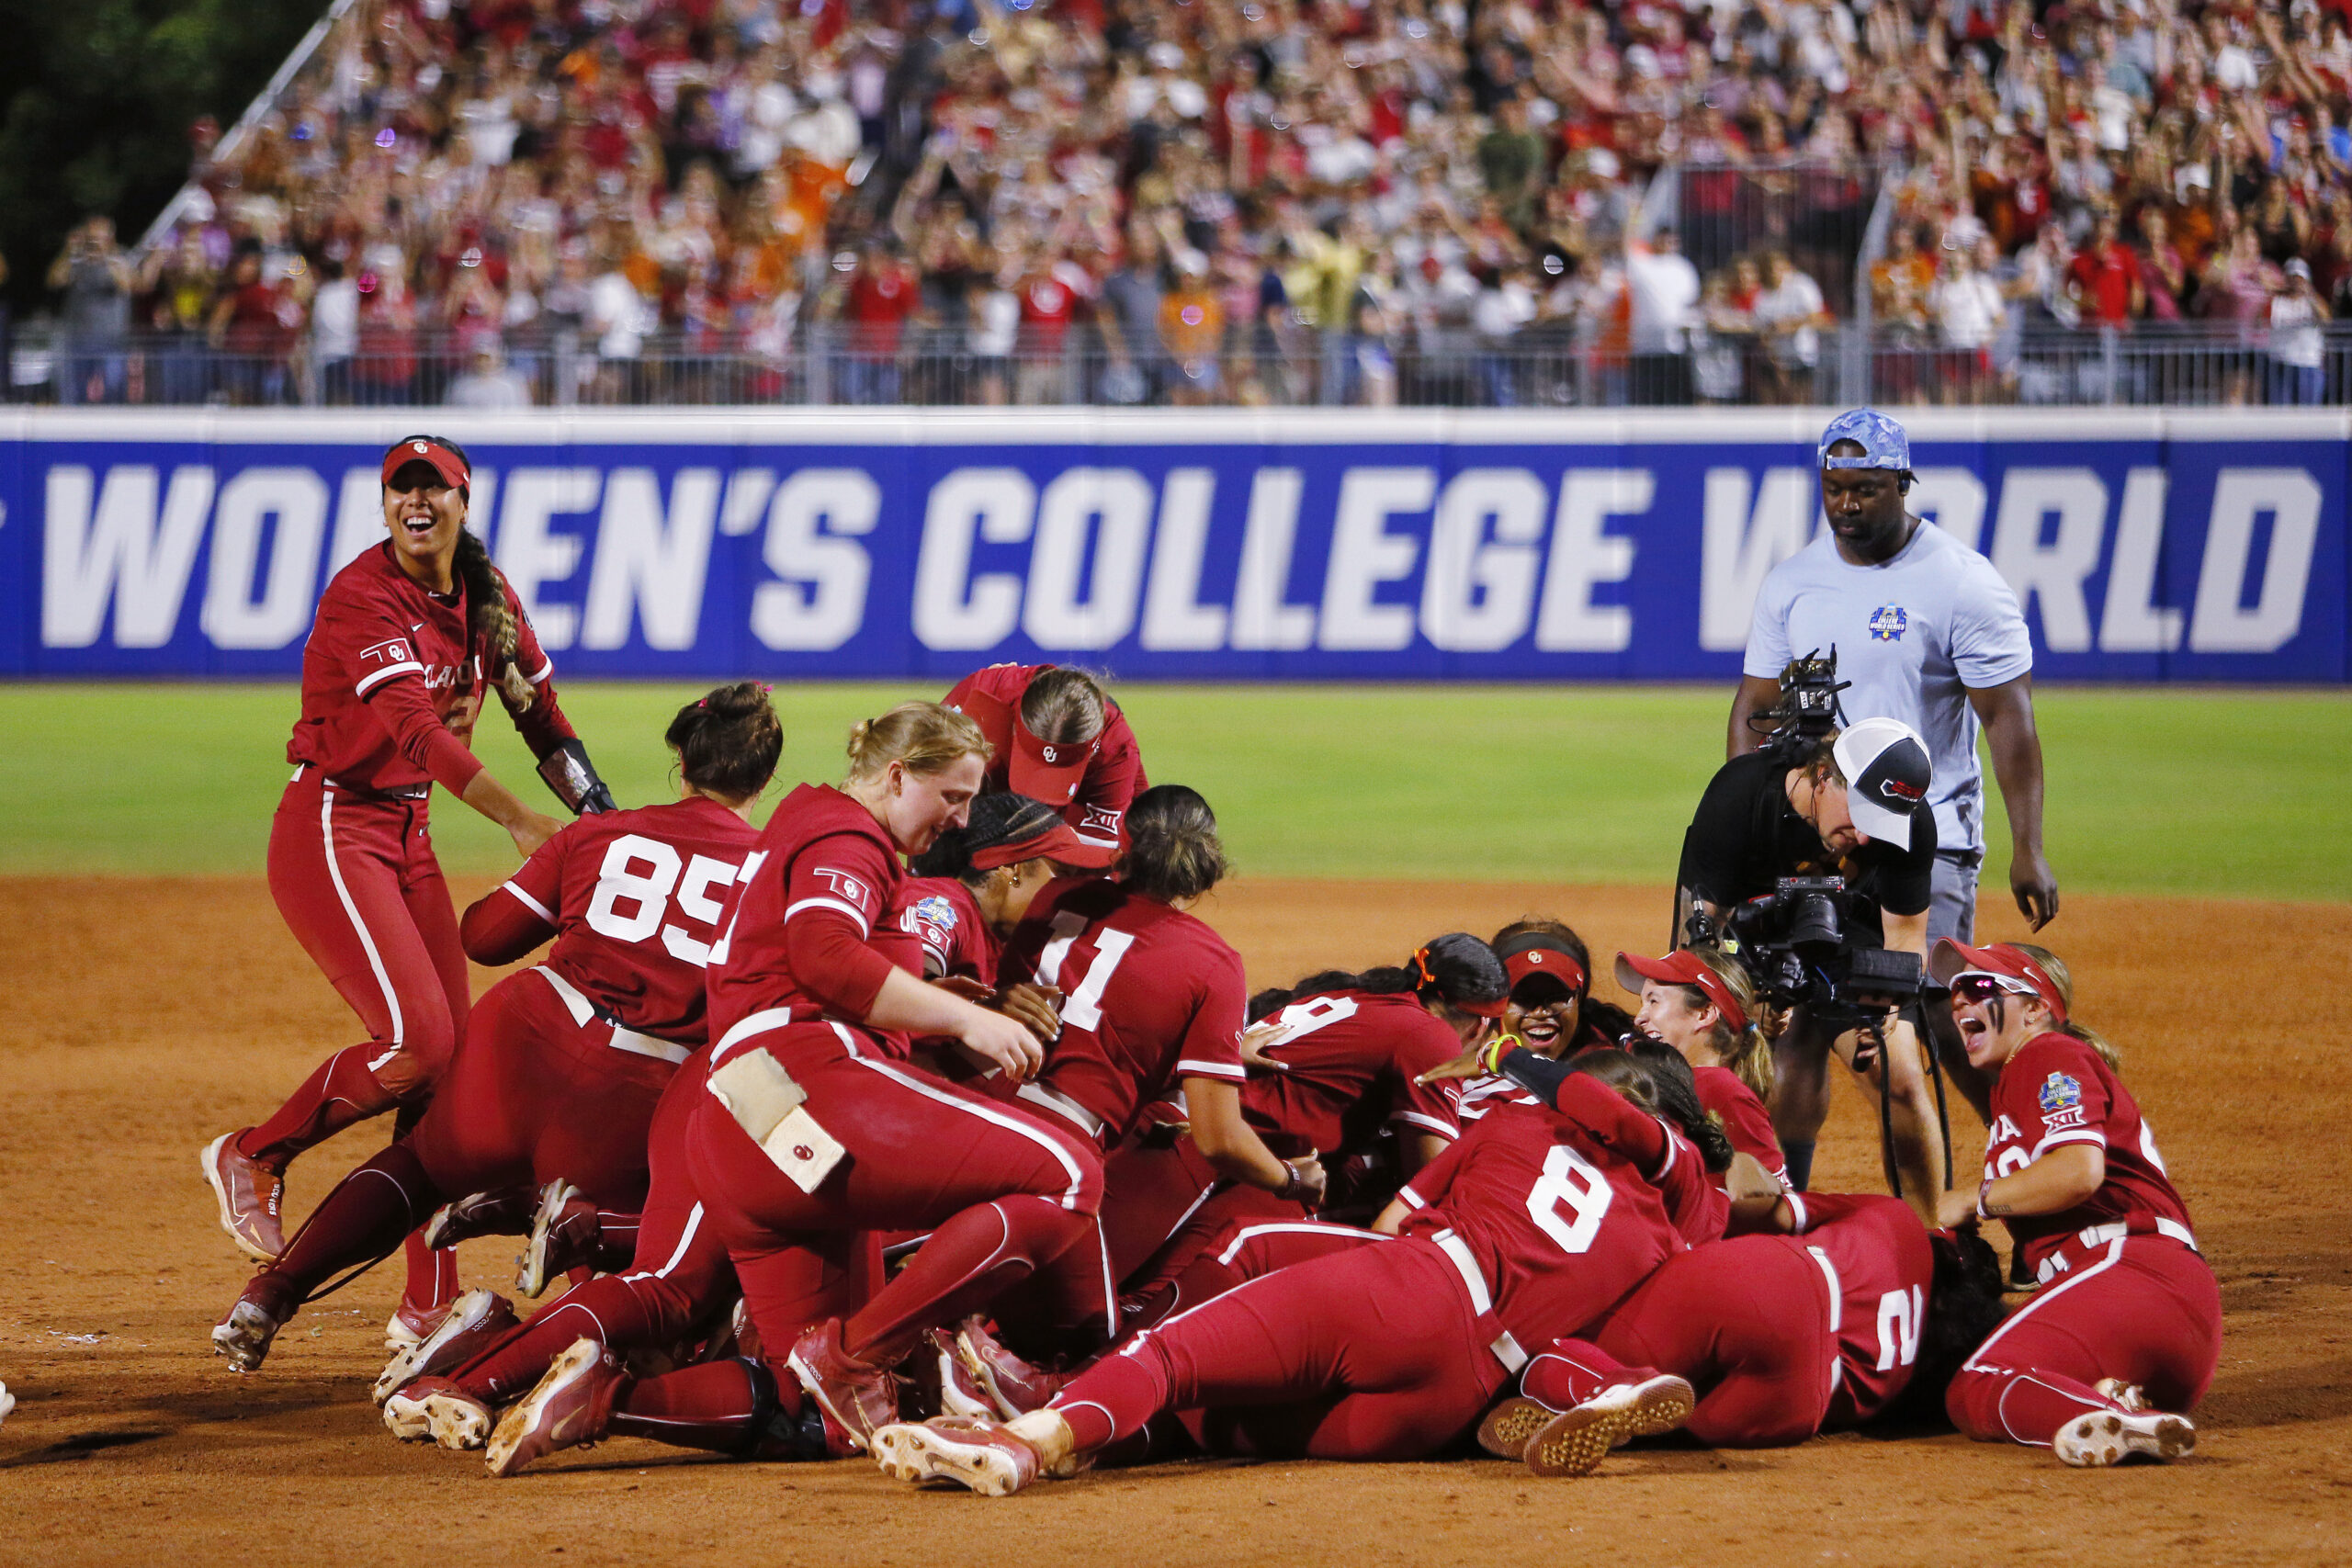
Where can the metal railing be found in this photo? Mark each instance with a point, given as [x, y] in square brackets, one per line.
[1543, 365]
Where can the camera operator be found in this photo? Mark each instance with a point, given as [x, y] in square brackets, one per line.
[1849, 807]
[1924, 630]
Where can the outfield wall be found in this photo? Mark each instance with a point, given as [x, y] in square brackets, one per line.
[1429, 545]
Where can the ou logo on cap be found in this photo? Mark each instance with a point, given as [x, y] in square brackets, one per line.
[1535, 958]
[420, 447]
[1048, 752]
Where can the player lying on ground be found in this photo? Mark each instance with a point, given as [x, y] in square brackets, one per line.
[554, 1090]
[1339, 1058]
[1855, 1309]
[2126, 1328]
[408, 641]
[1541, 1215]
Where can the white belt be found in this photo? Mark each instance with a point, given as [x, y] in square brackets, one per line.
[583, 1013]
[2095, 1236]
[1458, 1252]
[1062, 1105]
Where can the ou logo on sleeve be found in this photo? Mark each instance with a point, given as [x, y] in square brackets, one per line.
[851, 888]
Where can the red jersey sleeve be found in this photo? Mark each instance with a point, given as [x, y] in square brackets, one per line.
[373, 646]
[1212, 1047]
[1615, 1122]
[521, 912]
[1099, 812]
[1433, 1180]
[2052, 1098]
[1744, 1121]
[1433, 1108]
[833, 902]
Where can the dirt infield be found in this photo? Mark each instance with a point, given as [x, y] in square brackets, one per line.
[145, 1017]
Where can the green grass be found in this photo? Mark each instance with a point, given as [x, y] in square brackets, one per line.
[2199, 792]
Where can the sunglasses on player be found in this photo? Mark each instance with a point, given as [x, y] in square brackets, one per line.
[1981, 986]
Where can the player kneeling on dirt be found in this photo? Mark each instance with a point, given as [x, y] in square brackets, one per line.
[2127, 1324]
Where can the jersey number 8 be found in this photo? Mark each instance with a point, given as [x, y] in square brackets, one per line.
[1569, 1183]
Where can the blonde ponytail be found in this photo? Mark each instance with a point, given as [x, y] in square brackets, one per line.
[922, 737]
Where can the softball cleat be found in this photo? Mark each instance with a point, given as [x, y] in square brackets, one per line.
[1506, 1428]
[1579, 1439]
[437, 1409]
[981, 1456]
[507, 1211]
[249, 1196]
[473, 1320]
[2107, 1438]
[564, 1234]
[571, 1408]
[243, 1337]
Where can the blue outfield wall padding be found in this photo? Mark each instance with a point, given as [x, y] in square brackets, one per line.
[2146, 545]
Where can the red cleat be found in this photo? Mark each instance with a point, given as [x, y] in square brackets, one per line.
[855, 1397]
[473, 1320]
[1013, 1385]
[249, 1197]
[571, 1408]
[440, 1410]
[982, 1455]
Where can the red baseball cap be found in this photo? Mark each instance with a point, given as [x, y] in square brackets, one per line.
[1682, 967]
[452, 468]
[1539, 952]
[1047, 770]
[2003, 962]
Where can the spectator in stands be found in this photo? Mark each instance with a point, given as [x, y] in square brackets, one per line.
[488, 382]
[1790, 315]
[2298, 348]
[2103, 280]
[95, 278]
[1662, 290]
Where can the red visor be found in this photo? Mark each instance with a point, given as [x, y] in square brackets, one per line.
[1682, 967]
[1557, 963]
[1059, 842]
[1951, 960]
[1045, 772]
[447, 463]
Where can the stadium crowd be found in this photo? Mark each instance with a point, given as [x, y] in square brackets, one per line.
[1236, 201]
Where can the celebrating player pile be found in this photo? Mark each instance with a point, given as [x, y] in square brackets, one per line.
[930, 1120]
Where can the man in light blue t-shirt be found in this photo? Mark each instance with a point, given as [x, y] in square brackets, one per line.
[1929, 634]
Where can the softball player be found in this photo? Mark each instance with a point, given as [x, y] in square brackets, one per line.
[815, 1132]
[1702, 1004]
[1345, 1055]
[1824, 1327]
[407, 639]
[1056, 736]
[985, 876]
[1551, 1009]
[557, 1088]
[2121, 1342]
[1542, 1215]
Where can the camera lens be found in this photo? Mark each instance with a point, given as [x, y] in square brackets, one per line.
[1815, 923]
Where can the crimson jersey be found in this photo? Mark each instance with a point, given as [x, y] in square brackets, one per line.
[1150, 996]
[1350, 1059]
[2055, 1090]
[1877, 1268]
[1744, 1121]
[1554, 1205]
[820, 878]
[633, 899]
[386, 665]
[938, 912]
[1097, 806]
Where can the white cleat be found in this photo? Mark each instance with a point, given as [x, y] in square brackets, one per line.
[2105, 1438]
[7, 1402]
[434, 1409]
[244, 1336]
[981, 1456]
[534, 1266]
